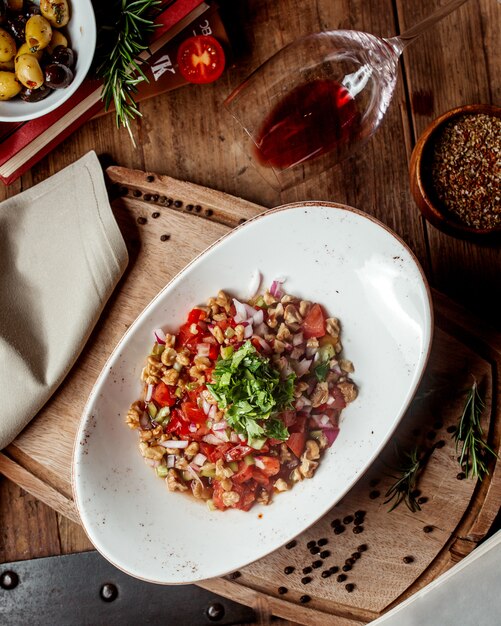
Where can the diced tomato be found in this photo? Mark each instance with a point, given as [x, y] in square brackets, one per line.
[201, 59]
[208, 450]
[238, 452]
[339, 401]
[247, 496]
[300, 423]
[244, 473]
[220, 451]
[187, 338]
[177, 424]
[217, 495]
[259, 476]
[195, 315]
[314, 322]
[192, 413]
[213, 352]
[296, 443]
[271, 465]
[163, 396]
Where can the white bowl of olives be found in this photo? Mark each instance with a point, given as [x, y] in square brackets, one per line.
[46, 49]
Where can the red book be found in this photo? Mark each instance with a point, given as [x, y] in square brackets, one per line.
[22, 144]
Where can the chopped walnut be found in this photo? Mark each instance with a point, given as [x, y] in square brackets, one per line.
[218, 334]
[268, 298]
[183, 357]
[332, 326]
[230, 498]
[223, 300]
[174, 483]
[281, 485]
[346, 366]
[133, 415]
[168, 356]
[191, 450]
[312, 343]
[285, 453]
[156, 453]
[199, 491]
[202, 362]
[308, 467]
[349, 391]
[304, 307]
[181, 463]
[263, 497]
[283, 333]
[170, 377]
[226, 484]
[320, 394]
[322, 440]
[312, 452]
[296, 475]
[222, 470]
[170, 340]
[291, 315]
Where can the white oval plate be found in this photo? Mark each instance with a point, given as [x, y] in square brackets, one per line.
[362, 273]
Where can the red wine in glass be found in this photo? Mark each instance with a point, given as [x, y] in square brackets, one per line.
[314, 118]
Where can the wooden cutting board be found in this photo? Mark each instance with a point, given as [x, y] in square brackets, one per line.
[386, 556]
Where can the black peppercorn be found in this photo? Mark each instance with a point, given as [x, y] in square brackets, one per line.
[289, 569]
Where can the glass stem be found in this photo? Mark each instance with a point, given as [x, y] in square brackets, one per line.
[401, 41]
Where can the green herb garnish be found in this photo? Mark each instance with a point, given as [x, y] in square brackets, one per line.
[321, 371]
[404, 487]
[470, 437]
[125, 27]
[251, 392]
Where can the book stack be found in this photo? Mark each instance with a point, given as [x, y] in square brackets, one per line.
[22, 144]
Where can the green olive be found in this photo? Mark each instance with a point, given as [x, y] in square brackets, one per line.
[7, 46]
[55, 11]
[38, 33]
[25, 49]
[58, 39]
[9, 86]
[28, 71]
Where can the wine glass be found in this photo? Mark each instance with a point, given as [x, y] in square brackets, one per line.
[319, 99]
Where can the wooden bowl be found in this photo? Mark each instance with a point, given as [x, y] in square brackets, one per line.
[422, 187]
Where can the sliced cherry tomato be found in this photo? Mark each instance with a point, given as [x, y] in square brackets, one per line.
[187, 338]
[259, 476]
[177, 424]
[238, 452]
[201, 59]
[314, 322]
[193, 414]
[244, 473]
[296, 443]
[196, 315]
[271, 465]
[163, 396]
[220, 451]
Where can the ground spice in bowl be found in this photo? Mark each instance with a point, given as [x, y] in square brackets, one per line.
[466, 169]
[455, 172]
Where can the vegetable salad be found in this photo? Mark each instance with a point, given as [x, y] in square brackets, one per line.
[242, 402]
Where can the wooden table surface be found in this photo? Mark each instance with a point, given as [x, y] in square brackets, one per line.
[186, 134]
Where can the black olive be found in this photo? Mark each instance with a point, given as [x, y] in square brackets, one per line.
[17, 25]
[35, 95]
[64, 56]
[30, 9]
[58, 76]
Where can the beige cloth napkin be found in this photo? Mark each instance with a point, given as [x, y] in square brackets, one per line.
[61, 255]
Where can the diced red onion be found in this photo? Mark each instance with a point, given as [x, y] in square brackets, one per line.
[240, 309]
[331, 434]
[330, 400]
[159, 336]
[177, 366]
[192, 427]
[335, 368]
[205, 406]
[255, 283]
[261, 329]
[234, 437]
[222, 425]
[310, 352]
[251, 311]
[149, 393]
[212, 411]
[241, 437]
[203, 349]
[259, 463]
[275, 288]
[297, 340]
[321, 420]
[299, 404]
[301, 367]
[171, 460]
[212, 439]
[199, 459]
[193, 472]
[258, 317]
[248, 332]
[182, 443]
[221, 435]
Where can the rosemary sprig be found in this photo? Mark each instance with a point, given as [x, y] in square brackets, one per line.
[470, 436]
[122, 37]
[404, 487]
